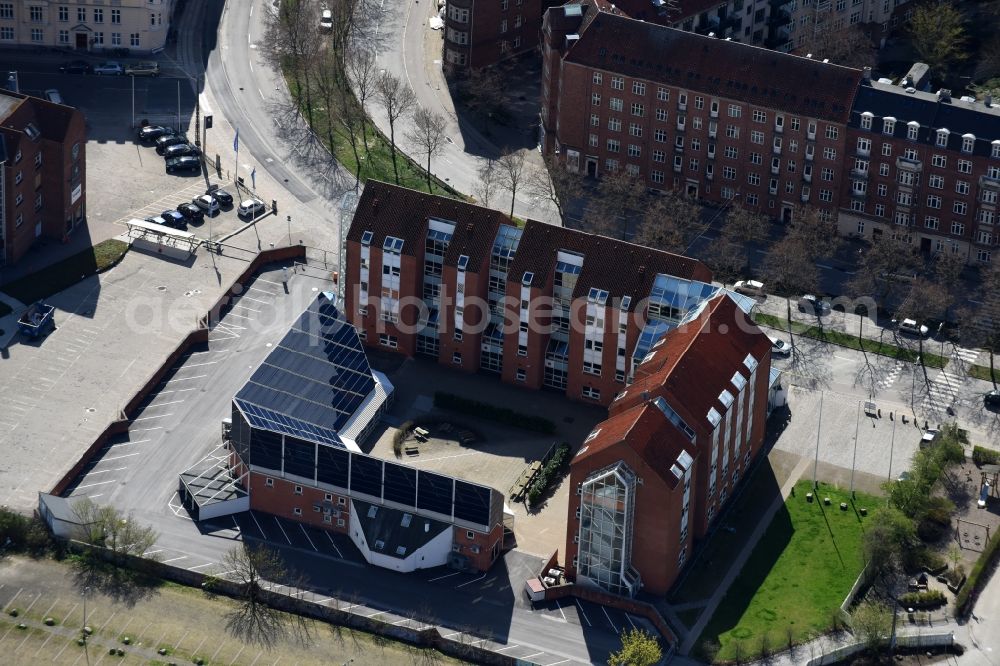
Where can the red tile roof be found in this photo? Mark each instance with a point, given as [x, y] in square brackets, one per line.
[616, 43]
[390, 210]
[696, 362]
[604, 259]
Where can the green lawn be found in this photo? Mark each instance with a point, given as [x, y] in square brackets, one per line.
[796, 577]
[67, 272]
[850, 341]
[983, 372]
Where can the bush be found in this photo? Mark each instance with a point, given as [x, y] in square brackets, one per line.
[486, 410]
[977, 577]
[27, 534]
[400, 437]
[547, 474]
[982, 456]
[928, 599]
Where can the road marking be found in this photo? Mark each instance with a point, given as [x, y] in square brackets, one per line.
[145, 429]
[559, 606]
[174, 559]
[303, 528]
[256, 300]
[138, 441]
[554, 663]
[377, 613]
[451, 634]
[582, 612]
[94, 496]
[124, 455]
[175, 391]
[240, 305]
[445, 576]
[262, 532]
[152, 552]
[91, 485]
[195, 568]
[195, 365]
[609, 619]
[399, 622]
[282, 530]
[146, 418]
[182, 379]
[102, 471]
[508, 647]
[629, 618]
[469, 582]
[529, 656]
[332, 543]
[163, 404]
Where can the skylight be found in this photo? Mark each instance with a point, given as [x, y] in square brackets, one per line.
[713, 416]
[463, 262]
[739, 381]
[750, 362]
[366, 238]
[726, 398]
[528, 278]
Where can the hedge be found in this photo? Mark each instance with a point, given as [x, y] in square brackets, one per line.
[977, 577]
[486, 410]
[547, 474]
[982, 456]
[927, 599]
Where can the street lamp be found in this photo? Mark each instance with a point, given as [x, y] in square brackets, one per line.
[289, 219]
[83, 629]
[819, 426]
[857, 426]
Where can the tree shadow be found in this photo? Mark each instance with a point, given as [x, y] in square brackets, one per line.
[121, 584]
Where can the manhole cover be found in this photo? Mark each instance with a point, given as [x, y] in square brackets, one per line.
[187, 293]
[91, 410]
[161, 288]
[196, 291]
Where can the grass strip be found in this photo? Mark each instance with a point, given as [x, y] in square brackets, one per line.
[851, 341]
[983, 372]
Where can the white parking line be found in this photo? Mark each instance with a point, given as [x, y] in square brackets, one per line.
[145, 429]
[91, 485]
[152, 552]
[146, 418]
[470, 582]
[559, 606]
[175, 391]
[629, 618]
[174, 559]
[609, 619]
[339, 554]
[239, 316]
[239, 305]
[163, 404]
[582, 612]
[138, 441]
[262, 532]
[302, 527]
[195, 365]
[182, 379]
[529, 656]
[124, 455]
[508, 647]
[444, 576]
[199, 566]
[102, 471]
[255, 300]
[555, 663]
[282, 530]
[377, 613]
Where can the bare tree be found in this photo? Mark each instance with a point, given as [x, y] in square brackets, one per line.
[619, 197]
[484, 89]
[428, 134]
[511, 171]
[886, 269]
[362, 73]
[291, 42]
[666, 221]
[742, 228]
[108, 527]
[554, 183]
[848, 46]
[254, 620]
[488, 184]
[398, 100]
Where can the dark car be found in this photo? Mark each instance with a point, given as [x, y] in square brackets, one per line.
[153, 132]
[76, 67]
[191, 212]
[174, 219]
[992, 399]
[224, 198]
[168, 140]
[180, 149]
[184, 163]
[156, 219]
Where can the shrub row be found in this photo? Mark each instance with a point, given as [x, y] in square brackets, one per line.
[23, 534]
[485, 410]
[547, 474]
[977, 577]
[928, 599]
[982, 456]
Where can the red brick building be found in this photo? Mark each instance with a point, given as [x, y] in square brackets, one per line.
[718, 120]
[42, 172]
[541, 306]
[650, 479]
[480, 34]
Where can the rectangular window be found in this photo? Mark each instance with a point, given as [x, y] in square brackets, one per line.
[37, 35]
[597, 75]
[638, 109]
[662, 95]
[617, 83]
[116, 16]
[832, 132]
[591, 393]
[638, 88]
[635, 129]
[595, 99]
[134, 43]
[98, 15]
[616, 104]
[735, 111]
[759, 116]
[964, 166]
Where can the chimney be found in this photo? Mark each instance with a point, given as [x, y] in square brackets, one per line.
[988, 100]
[866, 74]
[944, 95]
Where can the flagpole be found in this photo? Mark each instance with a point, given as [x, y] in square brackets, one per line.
[236, 170]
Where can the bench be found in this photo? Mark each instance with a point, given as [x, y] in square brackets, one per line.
[421, 432]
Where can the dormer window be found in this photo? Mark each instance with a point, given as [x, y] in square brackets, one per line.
[463, 262]
[866, 120]
[888, 125]
[912, 128]
[527, 279]
[942, 138]
[968, 142]
[366, 238]
[598, 296]
[392, 245]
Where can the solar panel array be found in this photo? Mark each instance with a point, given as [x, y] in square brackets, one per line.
[313, 381]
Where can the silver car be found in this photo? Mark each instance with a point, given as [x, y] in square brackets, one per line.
[251, 208]
[109, 68]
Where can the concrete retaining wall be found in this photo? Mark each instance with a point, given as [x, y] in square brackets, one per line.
[909, 641]
[603, 598]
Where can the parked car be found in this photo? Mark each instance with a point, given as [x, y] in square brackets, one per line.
[814, 306]
[76, 67]
[156, 219]
[167, 140]
[207, 203]
[929, 437]
[779, 347]
[53, 96]
[153, 132]
[251, 207]
[992, 399]
[191, 212]
[179, 149]
[224, 198]
[175, 219]
[749, 288]
[144, 68]
[326, 21]
[110, 67]
[183, 163]
[911, 327]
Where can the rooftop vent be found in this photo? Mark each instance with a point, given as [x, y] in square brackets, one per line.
[968, 98]
[866, 73]
[988, 100]
[910, 90]
[944, 95]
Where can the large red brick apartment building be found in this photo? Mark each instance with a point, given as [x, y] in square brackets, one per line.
[732, 123]
[42, 172]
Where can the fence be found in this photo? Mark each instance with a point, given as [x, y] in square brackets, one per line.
[908, 641]
[845, 615]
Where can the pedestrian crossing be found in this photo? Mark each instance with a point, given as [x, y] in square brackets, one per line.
[966, 355]
[889, 377]
[941, 393]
